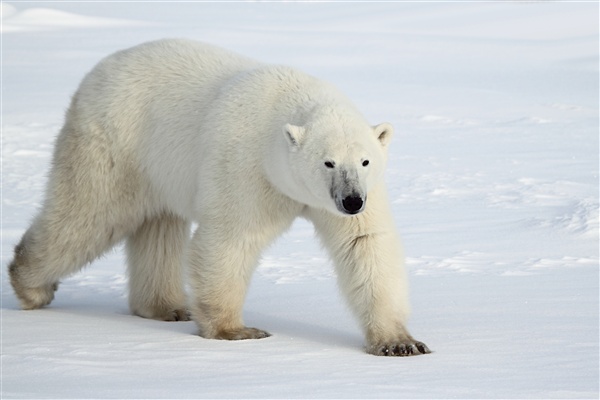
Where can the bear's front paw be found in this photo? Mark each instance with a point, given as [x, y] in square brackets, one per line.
[242, 334]
[163, 314]
[400, 348]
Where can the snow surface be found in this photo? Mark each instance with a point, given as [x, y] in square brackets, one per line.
[493, 177]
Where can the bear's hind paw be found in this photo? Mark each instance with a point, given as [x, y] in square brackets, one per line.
[180, 314]
[34, 298]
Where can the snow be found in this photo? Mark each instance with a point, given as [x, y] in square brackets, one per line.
[493, 179]
[41, 19]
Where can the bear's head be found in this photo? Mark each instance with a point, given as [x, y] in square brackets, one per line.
[336, 160]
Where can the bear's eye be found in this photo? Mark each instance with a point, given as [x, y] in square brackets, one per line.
[365, 163]
[329, 164]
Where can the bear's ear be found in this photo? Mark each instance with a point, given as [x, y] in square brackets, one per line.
[294, 135]
[383, 132]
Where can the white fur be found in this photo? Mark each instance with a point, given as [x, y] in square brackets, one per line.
[176, 131]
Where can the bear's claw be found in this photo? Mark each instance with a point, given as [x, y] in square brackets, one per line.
[400, 349]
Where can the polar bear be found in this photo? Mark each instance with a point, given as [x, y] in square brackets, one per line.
[175, 131]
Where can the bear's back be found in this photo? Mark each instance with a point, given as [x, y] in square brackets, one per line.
[156, 80]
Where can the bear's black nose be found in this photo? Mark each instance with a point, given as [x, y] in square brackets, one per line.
[352, 204]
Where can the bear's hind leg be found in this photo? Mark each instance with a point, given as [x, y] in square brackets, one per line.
[30, 297]
[59, 243]
[94, 199]
[155, 260]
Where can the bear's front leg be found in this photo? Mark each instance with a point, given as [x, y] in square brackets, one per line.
[371, 274]
[220, 271]
[369, 262]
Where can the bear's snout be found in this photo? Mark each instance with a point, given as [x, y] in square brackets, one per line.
[353, 204]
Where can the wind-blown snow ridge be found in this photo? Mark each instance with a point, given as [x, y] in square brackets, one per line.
[42, 19]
